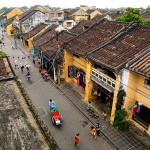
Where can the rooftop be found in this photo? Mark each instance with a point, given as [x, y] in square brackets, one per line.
[34, 31]
[45, 36]
[94, 36]
[123, 48]
[142, 65]
[51, 47]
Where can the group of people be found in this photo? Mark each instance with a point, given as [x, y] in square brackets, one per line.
[21, 66]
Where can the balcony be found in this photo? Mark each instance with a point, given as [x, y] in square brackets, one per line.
[103, 80]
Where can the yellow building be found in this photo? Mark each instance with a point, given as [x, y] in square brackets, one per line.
[28, 37]
[9, 26]
[91, 78]
[14, 12]
[85, 13]
[137, 101]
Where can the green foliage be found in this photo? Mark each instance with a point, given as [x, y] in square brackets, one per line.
[3, 54]
[131, 14]
[146, 21]
[18, 35]
[120, 119]
[3, 9]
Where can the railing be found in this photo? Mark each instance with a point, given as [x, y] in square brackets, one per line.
[104, 78]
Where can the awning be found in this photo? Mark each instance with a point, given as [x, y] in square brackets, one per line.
[110, 89]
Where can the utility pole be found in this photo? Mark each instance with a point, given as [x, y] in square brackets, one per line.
[58, 74]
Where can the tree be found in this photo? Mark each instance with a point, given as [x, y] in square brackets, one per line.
[3, 9]
[146, 21]
[131, 14]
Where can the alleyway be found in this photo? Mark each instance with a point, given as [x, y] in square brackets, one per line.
[71, 106]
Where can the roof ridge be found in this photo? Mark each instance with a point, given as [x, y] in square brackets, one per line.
[93, 25]
[123, 31]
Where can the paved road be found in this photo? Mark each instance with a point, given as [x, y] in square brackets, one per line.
[40, 92]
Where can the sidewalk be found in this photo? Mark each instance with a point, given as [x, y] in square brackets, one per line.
[121, 140]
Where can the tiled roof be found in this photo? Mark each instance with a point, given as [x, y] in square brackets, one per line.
[115, 15]
[50, 48]
[126, 47]
[77, 29]
[10, 20]
[94, 36]
[34, 31]
[3, 71]
[89, 11]
[146, 14]
[26, 15]
[142, 65]
[94, 20]
[45, 36]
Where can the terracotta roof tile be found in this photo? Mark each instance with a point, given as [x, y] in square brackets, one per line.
[34, 31]
[142, 65]
[146, 15]
[128, 46]
[77, 29]
[50, 48]
[45, 36]
[94, 36]
[3, 71]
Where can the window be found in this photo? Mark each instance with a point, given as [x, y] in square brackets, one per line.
[147, 82]
[52, 15]
[69, 24]
[59, 14]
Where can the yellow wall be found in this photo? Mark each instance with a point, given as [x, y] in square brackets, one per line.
[78, 18]
[8, 30]
[14, 12]
[30, 45]
[83, 64]
[136, 91]
[114, 99]
[93, 14]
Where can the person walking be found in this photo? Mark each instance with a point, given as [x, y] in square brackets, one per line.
[33, 60]
[98, 128]
[15, 45]
[76, 140]
[16, 64]
[93, 132]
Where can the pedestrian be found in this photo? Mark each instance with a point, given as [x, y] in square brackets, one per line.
[39, 60]
[88, 106]
[33, 60]
[16, 64]
[15, 45]
[98, 128]
[76, 140]
[104, 115]
[3, 43]
[51, 103]
[93, 132]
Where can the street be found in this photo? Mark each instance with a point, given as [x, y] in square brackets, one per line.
[40, 92]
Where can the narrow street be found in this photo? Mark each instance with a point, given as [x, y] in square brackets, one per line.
[40, 92]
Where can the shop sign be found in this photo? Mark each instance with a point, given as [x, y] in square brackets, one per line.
[71, 71]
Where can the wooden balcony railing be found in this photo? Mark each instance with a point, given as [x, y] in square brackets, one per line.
[104, 78]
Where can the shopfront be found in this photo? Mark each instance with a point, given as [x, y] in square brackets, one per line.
[103, 88]
[78, 75]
